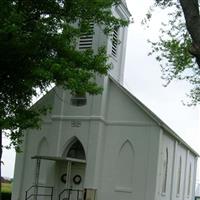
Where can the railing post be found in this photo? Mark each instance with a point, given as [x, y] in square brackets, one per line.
[51, 193]
[37, 172]
[26, 195]
[77, 194]
[69, 193]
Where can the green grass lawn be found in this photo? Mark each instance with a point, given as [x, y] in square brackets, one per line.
[6, 187]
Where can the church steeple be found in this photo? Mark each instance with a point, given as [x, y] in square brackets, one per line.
[115, 43]
[124, 2]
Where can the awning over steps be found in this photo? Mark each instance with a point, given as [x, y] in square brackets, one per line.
[55, 158]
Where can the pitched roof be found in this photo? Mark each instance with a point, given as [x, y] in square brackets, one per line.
[152, 115]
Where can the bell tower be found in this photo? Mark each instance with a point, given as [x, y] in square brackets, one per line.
[115, 43]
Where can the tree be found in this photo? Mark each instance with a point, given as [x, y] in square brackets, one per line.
[37, 48]
[179, 44]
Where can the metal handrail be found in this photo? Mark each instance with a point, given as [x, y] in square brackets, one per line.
[39, 186]
[70, 190]
[30, 188]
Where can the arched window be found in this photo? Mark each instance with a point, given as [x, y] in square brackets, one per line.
[125, 166]
[165, 171]
[179, 177]
[43, 150]
[189, 180]
[76, 150]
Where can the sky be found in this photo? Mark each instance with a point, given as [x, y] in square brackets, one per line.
[142, 78]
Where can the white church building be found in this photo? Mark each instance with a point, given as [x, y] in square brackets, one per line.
[104, 147]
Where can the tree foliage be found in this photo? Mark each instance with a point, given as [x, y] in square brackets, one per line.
[37, 48]
[178, 46]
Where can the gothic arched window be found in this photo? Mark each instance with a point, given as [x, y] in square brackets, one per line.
[125, 166]
[189, 180]
[76, 150]
[179, 176]
[165, 171]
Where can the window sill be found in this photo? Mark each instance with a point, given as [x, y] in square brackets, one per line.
[123, 189]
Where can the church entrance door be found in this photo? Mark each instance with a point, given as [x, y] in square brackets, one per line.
[72, 173]
[72, 181]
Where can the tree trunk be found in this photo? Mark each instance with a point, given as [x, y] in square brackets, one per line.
[192, 18]
[0, 158]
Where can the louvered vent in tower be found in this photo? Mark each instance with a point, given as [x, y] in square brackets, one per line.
[115, 41]
[86, 39]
